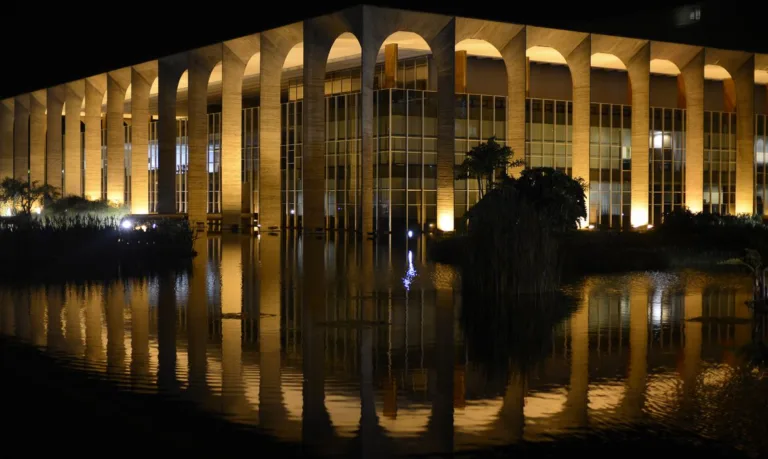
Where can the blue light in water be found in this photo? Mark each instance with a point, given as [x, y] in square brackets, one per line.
[410, 274]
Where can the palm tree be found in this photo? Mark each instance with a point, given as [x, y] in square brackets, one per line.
[486, 163]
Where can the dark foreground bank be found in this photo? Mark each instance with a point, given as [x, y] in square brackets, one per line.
[48, 407]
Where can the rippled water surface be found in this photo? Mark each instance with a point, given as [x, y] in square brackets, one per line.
[339, 342]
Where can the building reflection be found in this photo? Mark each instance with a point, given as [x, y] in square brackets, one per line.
[320, 340]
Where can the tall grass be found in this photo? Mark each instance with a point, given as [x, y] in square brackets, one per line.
[62, 241]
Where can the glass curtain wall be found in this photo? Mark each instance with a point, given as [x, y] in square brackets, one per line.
[250, 158]
[127, 181]
[342, 159]
[478, 118]
[291, 137]
[610, 141]
[405, 152]
[213, 158]
[761, 163]
[104, 161]
[549, 134]
[720, 162]
[154, 158]
[667, 162]
[182, 165]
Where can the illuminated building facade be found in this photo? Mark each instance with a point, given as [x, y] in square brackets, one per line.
[355, 120]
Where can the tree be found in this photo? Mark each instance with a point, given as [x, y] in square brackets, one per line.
[486, 163]
[21, 195]
[554, 193]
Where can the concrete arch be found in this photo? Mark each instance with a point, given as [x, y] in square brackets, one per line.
[143, 76]
[117, 84]
[274, 47]
[170, 70]
[95, 96]
[689, 60]
[741, 88]
[510, 41]
[440, 34]
[576, 48]
[6, 137]
[75, 92]
[636, 56]
[201, 65]
[237, 56]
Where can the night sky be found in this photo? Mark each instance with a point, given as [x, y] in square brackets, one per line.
[37, 53]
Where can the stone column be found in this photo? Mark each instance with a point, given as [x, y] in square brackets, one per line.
[443, 50]
[744, 78]
[275, 45]
[693, 77]
[6, 138]
[235, 57]
[313, 161]
[639, 69]
[54, 167]
[579, 62]
[170, 70]
[141, 83]
[21, 138]
[94, 95]
[515, 61]
[37, 126]
[73, 163]
[117, 84]
[201, 63]
[368, 62]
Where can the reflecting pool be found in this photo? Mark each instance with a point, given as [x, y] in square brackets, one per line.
[351, 347]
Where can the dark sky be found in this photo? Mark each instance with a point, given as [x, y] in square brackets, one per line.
[41, 52]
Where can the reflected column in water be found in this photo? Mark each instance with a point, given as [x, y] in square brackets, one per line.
[55, 300]
[115, 310]
[270, 274]
[7, 314]
[73, 324]
[37, 316]
[638, 348]
[140, 332]
[440, 429]
[578, 400]
[21, 306]
[166, 333]
[94, 301]
[198, 319]
[231, 322]
[692, 346]
[316, 423]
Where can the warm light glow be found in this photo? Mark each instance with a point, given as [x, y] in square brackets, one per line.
[607, 61]
[445, 221]
[664, 67]
[650, 226]
[761, 76]
[715, 72]
[480, 48]
[545, 54]
[639, 217]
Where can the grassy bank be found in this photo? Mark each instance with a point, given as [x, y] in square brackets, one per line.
[85, 242]
[586, 252]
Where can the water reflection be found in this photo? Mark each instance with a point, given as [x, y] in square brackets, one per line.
[354, 348]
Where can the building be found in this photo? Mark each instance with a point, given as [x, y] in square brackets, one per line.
[354, 121]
